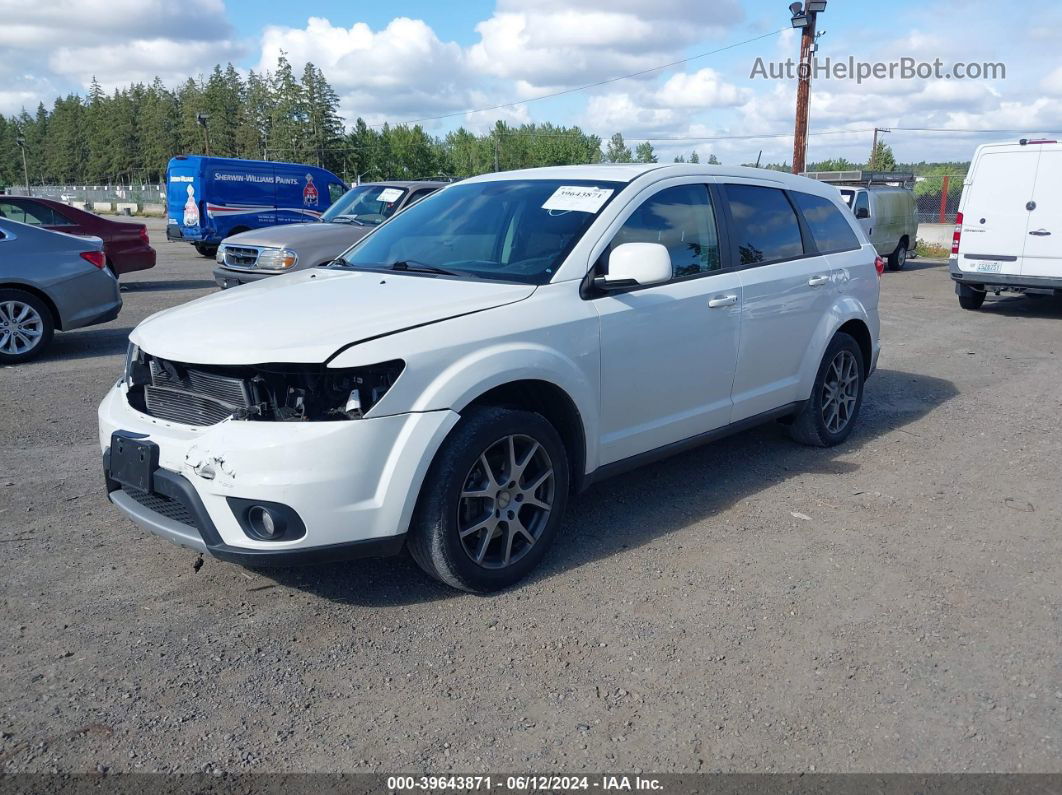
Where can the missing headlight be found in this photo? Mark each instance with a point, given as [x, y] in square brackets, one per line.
[293, 393]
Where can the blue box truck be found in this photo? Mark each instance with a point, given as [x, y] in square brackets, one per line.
[210, 198]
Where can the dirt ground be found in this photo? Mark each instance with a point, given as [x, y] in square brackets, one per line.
[889, 605]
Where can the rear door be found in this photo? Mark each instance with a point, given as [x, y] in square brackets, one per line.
[995, 219]
[1043, 240]
[184, 194]
[787, 287]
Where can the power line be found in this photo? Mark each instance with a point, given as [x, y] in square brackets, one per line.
[590, 85]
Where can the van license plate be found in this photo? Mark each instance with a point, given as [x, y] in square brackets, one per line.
[987, 267]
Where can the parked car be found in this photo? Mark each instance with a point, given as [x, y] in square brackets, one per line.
[1008, 231]
[884, 204]
[48, 281]
[125, 244]
[211, 198]
[261, 253]
[458, 373]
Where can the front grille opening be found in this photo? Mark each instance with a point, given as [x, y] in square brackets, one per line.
[241, 257]
[172, 509]
[190, 395]
[201, 395]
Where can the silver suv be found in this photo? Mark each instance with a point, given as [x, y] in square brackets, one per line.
[261, 253]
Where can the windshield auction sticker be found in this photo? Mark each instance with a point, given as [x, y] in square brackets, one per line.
[388, 195]
[579, 198]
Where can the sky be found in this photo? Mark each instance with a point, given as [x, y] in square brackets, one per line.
[416, 60]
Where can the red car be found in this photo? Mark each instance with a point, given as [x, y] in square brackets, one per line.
[125, 244]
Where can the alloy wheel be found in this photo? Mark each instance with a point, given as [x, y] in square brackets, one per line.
[506, 501]
[840, 390]
[21, 328]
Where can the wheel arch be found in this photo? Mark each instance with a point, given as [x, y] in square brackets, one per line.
[860, 332]
[553, 403]
[57, 320]
[847, 316]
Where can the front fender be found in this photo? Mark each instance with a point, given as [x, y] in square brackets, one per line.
[480, 368]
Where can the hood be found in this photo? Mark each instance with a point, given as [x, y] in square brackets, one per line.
[296, 236]
[305, 317]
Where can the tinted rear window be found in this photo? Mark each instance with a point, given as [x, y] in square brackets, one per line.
[828, 226]
[765, 227]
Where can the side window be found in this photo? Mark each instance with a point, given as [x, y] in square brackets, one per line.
[765, 226]
[682, 219]
[862, 205]
[418, 195]
[335, 190]
[31, 213]
[828, 226]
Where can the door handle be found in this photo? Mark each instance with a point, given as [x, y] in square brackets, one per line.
[1040, 232]
[818, 281]
[722, 300]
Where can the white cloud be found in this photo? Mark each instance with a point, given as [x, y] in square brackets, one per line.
[551, 44]
[60, 45]
[400, 70]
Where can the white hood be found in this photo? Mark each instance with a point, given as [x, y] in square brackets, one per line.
[307, 316]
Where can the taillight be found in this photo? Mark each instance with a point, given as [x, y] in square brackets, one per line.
[956, 234]
[144, 235]
[879, 265]
[97, 258]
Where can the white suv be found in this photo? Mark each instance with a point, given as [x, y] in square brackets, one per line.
[456, 375]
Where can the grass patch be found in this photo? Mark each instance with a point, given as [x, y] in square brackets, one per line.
[932, 250]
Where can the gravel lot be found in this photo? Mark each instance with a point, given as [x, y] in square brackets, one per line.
[889, 605]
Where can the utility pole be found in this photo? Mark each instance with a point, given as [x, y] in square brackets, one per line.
[25, 169]
[803, 18]
[496, 153]
[874, 146]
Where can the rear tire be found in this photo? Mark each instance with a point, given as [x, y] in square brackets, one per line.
[898, 258]
[205, 249]
[833, 408]
[970, 298]
[492, 500]
[26, 326]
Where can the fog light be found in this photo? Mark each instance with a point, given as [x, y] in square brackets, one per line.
[264, 522]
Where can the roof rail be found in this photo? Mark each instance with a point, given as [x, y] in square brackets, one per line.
[861, 177]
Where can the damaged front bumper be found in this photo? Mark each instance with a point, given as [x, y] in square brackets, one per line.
[352, 483]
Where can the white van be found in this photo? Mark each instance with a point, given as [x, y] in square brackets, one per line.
[1008, 232]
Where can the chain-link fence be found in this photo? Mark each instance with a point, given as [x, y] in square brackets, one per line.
[138, 194]
[938, 198]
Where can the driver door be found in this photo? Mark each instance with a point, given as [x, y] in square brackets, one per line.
[669, 351]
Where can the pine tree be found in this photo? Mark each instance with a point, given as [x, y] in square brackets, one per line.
[617, 151]
[882, 159]
[158, 123]
[97, 136]
[643, 153]
[288, 139]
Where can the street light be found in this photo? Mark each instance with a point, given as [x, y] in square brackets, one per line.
[815, 6]
[21, 142]
[799, 18]
[201, 120]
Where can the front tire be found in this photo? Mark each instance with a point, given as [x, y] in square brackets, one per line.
[491, 501]
[26, 326]
[971, 299]
[830, 413]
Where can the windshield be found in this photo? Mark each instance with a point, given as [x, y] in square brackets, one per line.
[366, 204]
[512, 230]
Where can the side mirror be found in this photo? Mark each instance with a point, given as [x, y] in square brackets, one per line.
[636, 265]
[862, 212]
